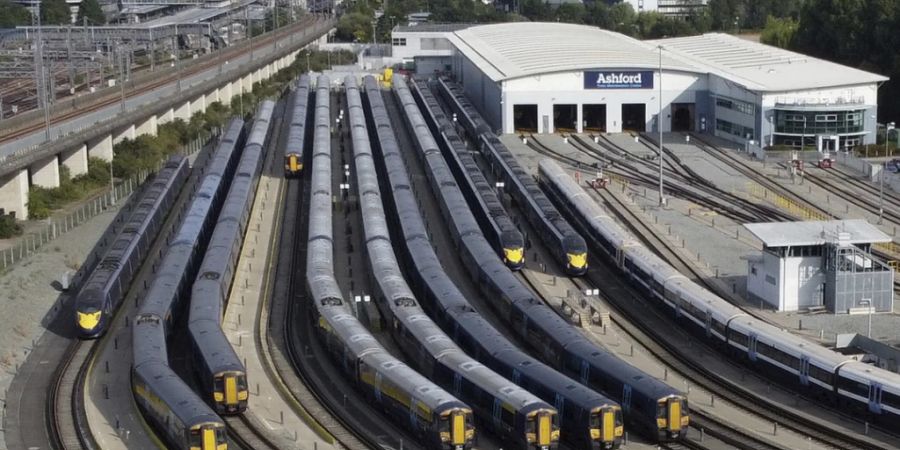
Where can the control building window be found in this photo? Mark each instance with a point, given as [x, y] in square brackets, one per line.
[734, 129]
[735, 105]
[398, 42]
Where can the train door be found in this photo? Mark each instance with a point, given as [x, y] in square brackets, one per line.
[804, 370]
[560, 404]
[620, 258]
[413, 418]
[495, 412]
[585, 371]
[457, 384]
[708, 323]
[626, 397]
[378, 386]
[875, 398]
[751, 347]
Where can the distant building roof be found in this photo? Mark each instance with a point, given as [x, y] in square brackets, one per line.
[519, 49]
[431, 27]
[794, 234]
[761, 67]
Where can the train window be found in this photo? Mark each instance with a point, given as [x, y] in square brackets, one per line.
[890, 399]
[821, 375]
[853, 387]
[738, 338]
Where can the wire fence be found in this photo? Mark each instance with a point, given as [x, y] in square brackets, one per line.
[32, 241]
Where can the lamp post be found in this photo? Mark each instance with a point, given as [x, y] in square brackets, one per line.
[803, 137]
[868, 304]
[887, 132]
[659, 120]
[881, 193]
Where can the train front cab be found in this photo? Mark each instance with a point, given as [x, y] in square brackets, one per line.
[230, 392]
[607, 428]
[672, 418]
[542, 430]
[513, 251]
[293, 164]
[207, 436]
[456, 429]
[90, 323]
[576, 256]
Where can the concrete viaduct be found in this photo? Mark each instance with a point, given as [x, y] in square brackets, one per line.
[40, 166]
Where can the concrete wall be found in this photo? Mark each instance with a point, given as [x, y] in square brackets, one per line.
[435, 44]
[14, 194]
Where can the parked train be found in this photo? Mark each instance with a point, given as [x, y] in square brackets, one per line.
[812, 369]
[650, 406]
[532, 423]
[436, 417]
[296, 138]
[496, 224]
[587, 420]
[182, 419]
[566, 245]
[223, 378]
[106, 287]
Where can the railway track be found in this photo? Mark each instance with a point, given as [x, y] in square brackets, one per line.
[247, 435]
[862, 201]
[752, 174]
[699, 192]
[65, 401]
[153, 83]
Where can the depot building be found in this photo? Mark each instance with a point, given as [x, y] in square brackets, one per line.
[554, 77]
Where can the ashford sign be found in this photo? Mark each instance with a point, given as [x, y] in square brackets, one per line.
[594, 79]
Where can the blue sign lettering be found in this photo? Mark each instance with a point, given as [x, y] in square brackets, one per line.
[594, 79]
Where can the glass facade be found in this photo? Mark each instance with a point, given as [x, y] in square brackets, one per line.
[811, 123]
[734, 129]
[736, 105]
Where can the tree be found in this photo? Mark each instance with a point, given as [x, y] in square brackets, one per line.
[858, 33]
[13, 14]
[91, 10]
[354, 27]
[55, 12]
[571, 13]
[779, 32]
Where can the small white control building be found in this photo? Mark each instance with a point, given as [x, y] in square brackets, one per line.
[820, 264]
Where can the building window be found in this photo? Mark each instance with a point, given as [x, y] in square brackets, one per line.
[734, 129]
[810, 123]
[770, 279]
[398, 42]
[736, 105]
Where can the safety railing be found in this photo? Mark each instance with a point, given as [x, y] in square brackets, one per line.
[789, 205]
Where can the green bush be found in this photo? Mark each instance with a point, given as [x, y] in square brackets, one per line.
[8, 227]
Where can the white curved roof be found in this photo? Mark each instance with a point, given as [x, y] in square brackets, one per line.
[518, 49]
[762, 67]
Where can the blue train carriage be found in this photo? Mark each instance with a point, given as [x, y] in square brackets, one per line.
[869, 391]
[442, 421]
[296, 138]
[518, 417]
[167, 402]
[651, 407]
[485, 204]
[565, 245]
[588, 419]
[586, 412]
[108, 283]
